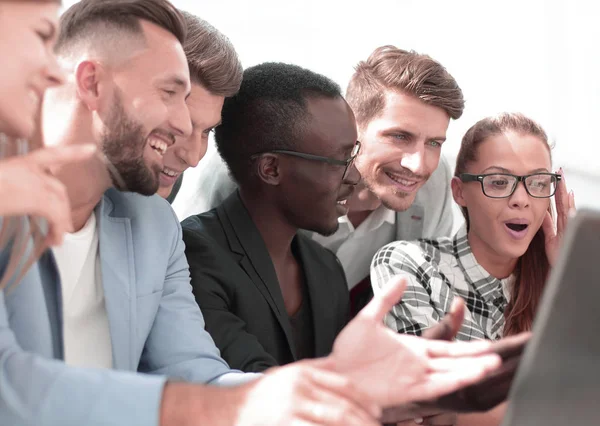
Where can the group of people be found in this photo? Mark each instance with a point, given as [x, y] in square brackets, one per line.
[283, 303]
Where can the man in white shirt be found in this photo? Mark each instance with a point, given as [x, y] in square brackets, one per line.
[403, 102]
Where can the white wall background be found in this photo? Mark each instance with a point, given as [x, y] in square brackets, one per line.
[538, 57]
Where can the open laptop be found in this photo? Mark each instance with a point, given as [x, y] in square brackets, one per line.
[558, 380]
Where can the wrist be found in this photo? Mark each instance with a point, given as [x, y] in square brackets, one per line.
[185, 404]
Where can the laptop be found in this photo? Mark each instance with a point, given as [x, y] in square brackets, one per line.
[558, 379]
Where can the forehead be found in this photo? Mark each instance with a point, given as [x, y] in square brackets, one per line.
[331, 125]
[205, 108]
[14, 14]
[516, 152]
[413, 115]
[161, 58]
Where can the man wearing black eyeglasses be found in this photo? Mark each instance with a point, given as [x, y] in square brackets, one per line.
[269, 295]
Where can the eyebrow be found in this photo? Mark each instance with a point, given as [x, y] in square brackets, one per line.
[505, 170]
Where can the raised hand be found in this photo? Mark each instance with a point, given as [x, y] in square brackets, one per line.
[28, 187]
[396, 369]
[565, 208]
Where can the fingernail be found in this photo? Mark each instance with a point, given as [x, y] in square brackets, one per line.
[419, 420]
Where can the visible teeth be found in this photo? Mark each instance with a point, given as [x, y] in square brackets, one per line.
[402, 181]
[159, 145]
[169, 172]
[343, 202]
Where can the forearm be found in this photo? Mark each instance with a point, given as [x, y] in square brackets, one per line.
[489, 418]
[186, 404]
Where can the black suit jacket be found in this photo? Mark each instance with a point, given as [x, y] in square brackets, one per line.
[235, 285]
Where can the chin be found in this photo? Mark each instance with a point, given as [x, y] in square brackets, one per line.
[164, 191]
[397, 202]
[325, 230]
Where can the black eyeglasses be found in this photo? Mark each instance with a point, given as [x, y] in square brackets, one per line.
[333, 161]
[503, 185]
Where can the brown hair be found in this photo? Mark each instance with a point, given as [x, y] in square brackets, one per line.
[390, 68]
[79, 20]
[212, 59]
[533, 267]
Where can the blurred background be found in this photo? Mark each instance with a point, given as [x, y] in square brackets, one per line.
[538, 57]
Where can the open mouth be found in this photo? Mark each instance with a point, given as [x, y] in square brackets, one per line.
[159, 146]
[517, 227]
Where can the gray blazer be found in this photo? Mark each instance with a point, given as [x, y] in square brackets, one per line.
[155, 324]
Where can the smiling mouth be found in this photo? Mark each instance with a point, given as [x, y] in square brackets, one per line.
[407, 183]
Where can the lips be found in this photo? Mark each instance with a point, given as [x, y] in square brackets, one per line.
[160, 143]
[517, 228]
[403, 182]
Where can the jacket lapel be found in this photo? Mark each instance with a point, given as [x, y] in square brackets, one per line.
[118, 276]
[244, 239]
[319, 296]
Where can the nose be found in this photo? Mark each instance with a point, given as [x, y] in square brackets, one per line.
[191, 150]
[55, 75]
[413, 160]
[520, 198]
[352, 175]
[180, 121]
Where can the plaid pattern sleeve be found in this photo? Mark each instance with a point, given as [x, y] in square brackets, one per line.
[437, 271]
[416, 311]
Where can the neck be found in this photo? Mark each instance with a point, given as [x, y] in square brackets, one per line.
[362, 203]
[275, 230]
[496, 265]
[86, 181]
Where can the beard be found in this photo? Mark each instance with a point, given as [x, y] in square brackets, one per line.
[123, 144]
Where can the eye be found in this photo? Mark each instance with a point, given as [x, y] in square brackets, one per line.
[207, 132]
[170, 92]
[499, 183]
[434, 144]
[46, 37]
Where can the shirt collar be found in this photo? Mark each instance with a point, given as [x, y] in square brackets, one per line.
[474, 272]
[374, 221]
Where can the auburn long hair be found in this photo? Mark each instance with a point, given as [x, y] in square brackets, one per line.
[533, 267]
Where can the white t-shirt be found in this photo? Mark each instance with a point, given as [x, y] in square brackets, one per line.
[356, 247]
[85, 322]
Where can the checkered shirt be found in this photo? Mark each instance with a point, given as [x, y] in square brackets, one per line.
[436, 271]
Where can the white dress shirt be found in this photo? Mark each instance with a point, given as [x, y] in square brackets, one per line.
[86, 333]
[356, 247]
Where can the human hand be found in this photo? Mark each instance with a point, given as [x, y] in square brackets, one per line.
[396, 369]
[565, 208]
[29, 188]
[492, 389]
[307, 393]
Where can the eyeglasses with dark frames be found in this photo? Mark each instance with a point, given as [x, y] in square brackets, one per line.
[503, 185]
[333, 161]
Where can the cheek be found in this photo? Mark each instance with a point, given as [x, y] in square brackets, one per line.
[432, 160]
[482, 209]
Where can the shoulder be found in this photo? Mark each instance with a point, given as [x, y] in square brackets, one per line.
[319, 254]
[204, 231]
[413, 255]
[151, 215]
[435, 190]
